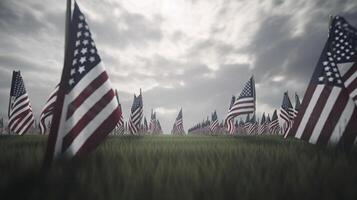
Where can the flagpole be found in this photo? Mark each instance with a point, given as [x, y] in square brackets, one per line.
[61, 92]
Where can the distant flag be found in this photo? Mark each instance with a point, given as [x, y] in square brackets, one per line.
[159, 129]
[136, 114]
[253, 127]
[245, 103]
[230, 122]
[274, 127]
[86, 109]
[120, 124]
[214, 124]
[178, 125]
[268, 121]
[153, 123]
[297, 105]
[47, 111]
[20, 111]
[263, 125]
[328, 113]
[246, 124]
[286, 114]
[145, 126]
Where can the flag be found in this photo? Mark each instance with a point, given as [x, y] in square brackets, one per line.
[86, 109]
[263, 125]
[136, 114]
[120, 124]
[20, 111]
[153, 123]
[230, 122]
[47, 110]
[214, 125]
[178, 125]
[244, 104]
[297, 105]
[253, 126]
[274, 124]
[159, 129]
[246, 124]
[328, 113]
[145, 126]
[286, 114]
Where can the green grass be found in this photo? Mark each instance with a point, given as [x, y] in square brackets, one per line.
[192, 167]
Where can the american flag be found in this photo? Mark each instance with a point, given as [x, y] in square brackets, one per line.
[136, 114]
[120, 124]
[214, 124]
[274, 126]
[20, 111]
[244, 104]
[158, 125]
[153, 123]
[263, 125]
[253, 126]
[246, 124]
[328, 114]
[178, 125]
[47, 110]
[286, 114]
[86, 109]
[145, 126]
[230, 122]
[297, 106]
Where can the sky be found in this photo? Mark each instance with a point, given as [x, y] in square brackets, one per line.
[189, 54]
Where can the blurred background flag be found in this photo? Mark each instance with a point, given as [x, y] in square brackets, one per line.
[20, 112]
[244, 104]
[47, 111]
[120, 125]
[286, 114]
[136, 114]
[263, 125]
[274, 126]
[328, 113]
[297, 105]
[178, 125]
[86, 109]
[214, 124]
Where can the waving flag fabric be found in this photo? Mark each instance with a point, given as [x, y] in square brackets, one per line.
[136, 114]
[214, 123]
[20, 111]
[244, 104]
[47, 111]
[328, 113]
[178, 125]
[286, 114]
[86, 109]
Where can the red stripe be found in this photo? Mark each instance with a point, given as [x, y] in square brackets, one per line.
[28, 126]
[94, 85]
[99, 134]
[86, 119]
[19, 101]
[316, 112]
[333, 118]
[352, 86]
[305, 102]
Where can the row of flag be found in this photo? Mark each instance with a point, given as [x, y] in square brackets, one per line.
[85, 108]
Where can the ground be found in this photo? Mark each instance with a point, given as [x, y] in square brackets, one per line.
[186, 167]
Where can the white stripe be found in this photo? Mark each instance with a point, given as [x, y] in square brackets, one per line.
[19, 113]
[86, 105]
[90, 128]
[241, 111]
[86, 80]
[350, 79]
[330, 103]
[340, 127]
[344, 67]
[308, 111]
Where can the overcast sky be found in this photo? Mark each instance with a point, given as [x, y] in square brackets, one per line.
[193, 54]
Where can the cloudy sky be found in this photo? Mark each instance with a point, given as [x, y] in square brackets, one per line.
[193, 54]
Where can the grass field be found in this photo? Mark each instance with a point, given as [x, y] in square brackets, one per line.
[192, 167]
